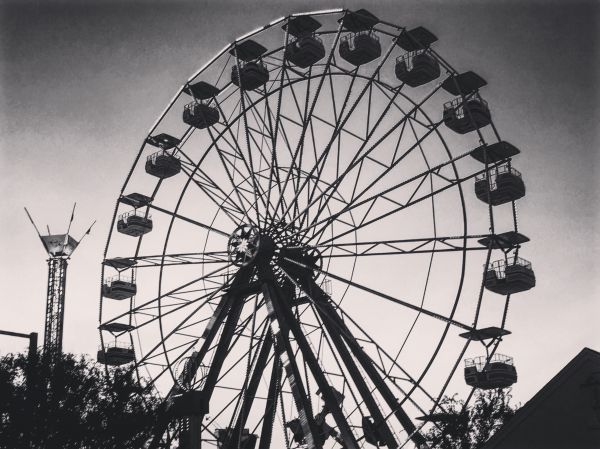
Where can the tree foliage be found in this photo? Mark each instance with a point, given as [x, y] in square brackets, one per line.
[470, 427]
[74, 404]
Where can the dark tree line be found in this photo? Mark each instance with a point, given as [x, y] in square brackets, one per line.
[71, 405]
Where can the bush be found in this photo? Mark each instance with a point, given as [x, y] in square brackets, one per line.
[72, 405]
[470, 427]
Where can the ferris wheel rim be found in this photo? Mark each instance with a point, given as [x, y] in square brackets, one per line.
[263, 98]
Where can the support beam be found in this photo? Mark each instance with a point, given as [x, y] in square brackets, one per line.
[368, 366]
[231, 304]
[284, 316]
[270, 406]
[250, 392]
[286, 354]
[318, 295]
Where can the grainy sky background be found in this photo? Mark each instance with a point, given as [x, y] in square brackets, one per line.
[82, 82]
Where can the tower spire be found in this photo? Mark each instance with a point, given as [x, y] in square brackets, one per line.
[59, 247]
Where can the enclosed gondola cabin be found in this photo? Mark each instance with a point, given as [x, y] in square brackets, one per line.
[163, 164]
[417, 68]
[509, 276]
[134, 223]
[252, 72]
[499, 372]
[253, 75]
[306, 48]
[463, 116]
[119, 288]
[504, 185]
[360, 48]
[199, 113]
[116, 354]
[361, 45]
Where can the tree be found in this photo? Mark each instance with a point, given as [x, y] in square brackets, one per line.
[470, 427]
[72, 404]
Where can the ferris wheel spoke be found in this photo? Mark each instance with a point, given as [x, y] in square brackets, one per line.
[307, 116]
[255, 186]
[274, 165]
[399, 247]
[383, 295]
[343, 122]
[322, 159]
[412, 115]
[224, 158]
[274, 169]
[238, 149]
[175, 290]
[421, 177]
[360, 156]
[230, 211]
[164, 338]
[207, 184]
[297, 155]
[401, 206]
[189, 220]
[381, 351]
[217, 194]
[181, 259]
[244, 113]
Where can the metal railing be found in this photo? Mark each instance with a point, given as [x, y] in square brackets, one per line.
[500, 170]
[116, 344]
[108, 281]
[152, 157]
[407, 58]
[134, 213]
[481, 362]
[458, 105]
[499, 266]
[312, 36]
[350, 38]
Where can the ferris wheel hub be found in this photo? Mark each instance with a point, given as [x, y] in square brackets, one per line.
[247, 245]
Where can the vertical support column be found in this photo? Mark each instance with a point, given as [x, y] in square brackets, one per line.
[286, 355]
[195, 426]
[55, 303]
[283, 315]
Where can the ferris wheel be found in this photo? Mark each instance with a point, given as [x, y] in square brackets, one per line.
[315, 233]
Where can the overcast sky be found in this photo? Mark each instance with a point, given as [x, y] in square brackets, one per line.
[82, 82]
